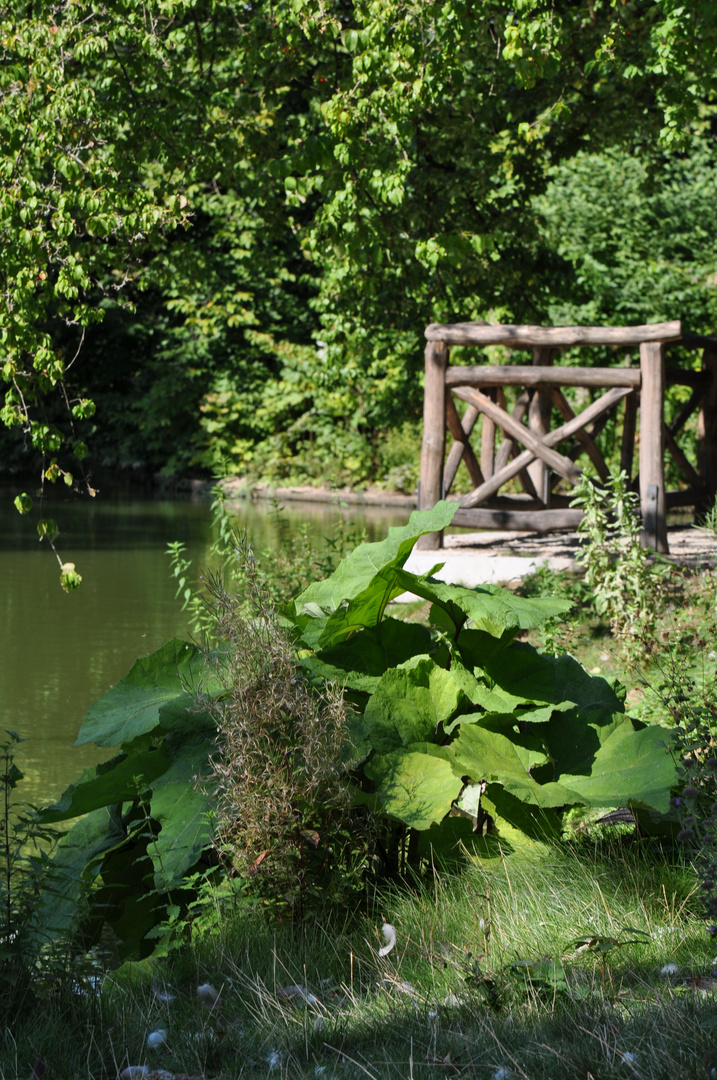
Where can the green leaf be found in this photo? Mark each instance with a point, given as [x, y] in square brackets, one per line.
[521, 670]
[475, 647]
[488, 607]
[630, 768]
[23, 503]
[74, 865]
[534, 822]
[489, 756]
[361, 660]
[132, 707]
[181, 804]
[119, 780]
[355, 575]
[416, 784]
[409, 703]
[366, 609]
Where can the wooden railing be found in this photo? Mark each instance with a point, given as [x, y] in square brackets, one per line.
[549, 454]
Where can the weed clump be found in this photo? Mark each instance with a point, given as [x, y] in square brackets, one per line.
[282, 800]
[626, 584]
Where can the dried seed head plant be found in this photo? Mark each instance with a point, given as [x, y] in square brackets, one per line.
[282, 795]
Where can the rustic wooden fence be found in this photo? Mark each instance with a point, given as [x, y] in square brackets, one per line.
[541, 456]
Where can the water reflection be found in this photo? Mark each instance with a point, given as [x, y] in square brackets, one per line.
[60, 652]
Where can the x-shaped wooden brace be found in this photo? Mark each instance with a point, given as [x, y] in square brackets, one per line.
[516, 432]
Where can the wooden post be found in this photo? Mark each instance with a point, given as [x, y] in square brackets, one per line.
[629, 424]
[707, 427]
[487, 441]
[539, 424]
[434, 436]
[652, 446]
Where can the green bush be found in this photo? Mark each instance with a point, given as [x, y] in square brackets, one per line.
[249, 748]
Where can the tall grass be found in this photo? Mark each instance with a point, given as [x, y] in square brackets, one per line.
[484, 977]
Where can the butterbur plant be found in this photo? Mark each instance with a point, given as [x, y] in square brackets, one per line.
[458, 720]
[328, 742]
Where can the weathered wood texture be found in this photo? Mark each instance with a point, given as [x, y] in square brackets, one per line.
[434, 436]
[539, 466]
[539, 423]
[652, 445]
[607, 401]
[527, 520]
[539, 447]
[707, 426]
[461, 449]
[581, 435]
[629, 427]
[487, 441]
[505, 375]
[553, 336]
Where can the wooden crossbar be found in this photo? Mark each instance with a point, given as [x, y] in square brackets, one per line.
[588, 444]
[539, 447]
[461, 449]
[514, 375]
[552, 438]
[529, 336]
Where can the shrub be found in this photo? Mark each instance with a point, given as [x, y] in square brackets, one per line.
[282, 803]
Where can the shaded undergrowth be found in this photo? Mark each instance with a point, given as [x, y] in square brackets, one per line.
[485, 976]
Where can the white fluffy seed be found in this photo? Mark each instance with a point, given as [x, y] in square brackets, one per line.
[156, 1038]
[208, 995]
[389, 936]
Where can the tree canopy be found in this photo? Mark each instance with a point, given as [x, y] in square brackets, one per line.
[228, 225]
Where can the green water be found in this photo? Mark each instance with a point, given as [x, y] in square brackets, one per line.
[59, 652]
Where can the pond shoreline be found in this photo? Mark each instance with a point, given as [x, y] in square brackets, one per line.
[688, 546]
[238, 487]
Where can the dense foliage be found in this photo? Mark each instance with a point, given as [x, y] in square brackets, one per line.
[267, 205]
[446, 727]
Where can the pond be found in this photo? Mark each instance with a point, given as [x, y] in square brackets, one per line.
[60, 652]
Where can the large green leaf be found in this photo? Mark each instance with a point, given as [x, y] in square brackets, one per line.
[475, 647]
[575, 737]
[630, 768]
[125, 898]
[132, 707]
[356, 572]
[409, 703]
[416, 784]
[363, 584]
[119, 780]
[359, 662]
[535, 822]
[627, 767]
[488, 607]
[490, 756]
[180, 803]
[522, 670]
[74, 866]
